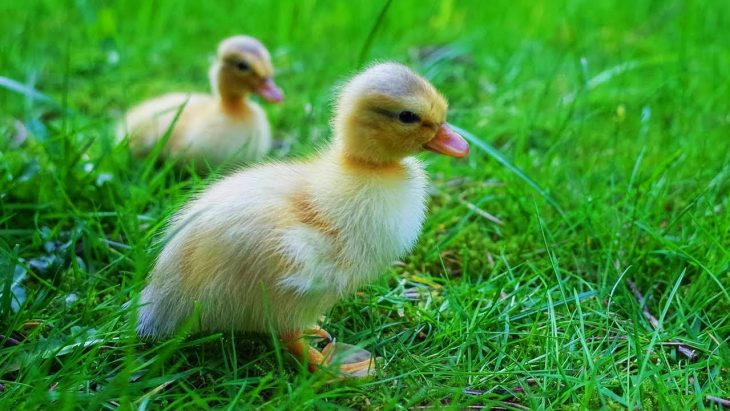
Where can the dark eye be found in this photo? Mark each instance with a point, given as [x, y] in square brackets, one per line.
[408, 117]
[242, 66]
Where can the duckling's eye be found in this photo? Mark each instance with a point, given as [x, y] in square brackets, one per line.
[242, 66]
[408, 117]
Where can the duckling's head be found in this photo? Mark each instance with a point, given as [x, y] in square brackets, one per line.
[388, 112]
[243, 65]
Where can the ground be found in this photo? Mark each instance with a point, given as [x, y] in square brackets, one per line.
[600, 159]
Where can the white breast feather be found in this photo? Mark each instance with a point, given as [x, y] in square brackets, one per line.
[377, 224]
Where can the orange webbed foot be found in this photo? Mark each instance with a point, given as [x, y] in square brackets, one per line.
[352, 361]
[348, 360]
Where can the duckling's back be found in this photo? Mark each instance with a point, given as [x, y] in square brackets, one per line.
[222, 251]
[200, 130]
[148, 122]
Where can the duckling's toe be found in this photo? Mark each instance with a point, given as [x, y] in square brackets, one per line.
[317, 332]
[362, 369]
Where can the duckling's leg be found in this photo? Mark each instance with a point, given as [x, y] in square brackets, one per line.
[297, 344]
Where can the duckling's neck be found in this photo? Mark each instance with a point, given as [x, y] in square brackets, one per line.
[360, 165]
[234, 105]
[354, 163]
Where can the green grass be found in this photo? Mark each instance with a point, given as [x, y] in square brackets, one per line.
[601, 141]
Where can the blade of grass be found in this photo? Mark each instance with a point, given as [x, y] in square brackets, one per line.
[501, 159]
[365, 50]
[29, 92]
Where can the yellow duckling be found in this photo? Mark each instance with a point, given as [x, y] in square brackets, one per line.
[212, 128]
[277, 245]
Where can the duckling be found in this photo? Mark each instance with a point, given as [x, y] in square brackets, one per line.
[275, 246]
[212, 128]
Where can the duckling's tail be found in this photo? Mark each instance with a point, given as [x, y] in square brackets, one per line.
[160, 313]
[120, 130]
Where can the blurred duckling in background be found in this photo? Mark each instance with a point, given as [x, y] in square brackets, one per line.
[275, 246]
[212, 129]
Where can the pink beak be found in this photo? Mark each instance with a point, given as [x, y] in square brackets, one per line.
[270, 92]
[448, 142]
